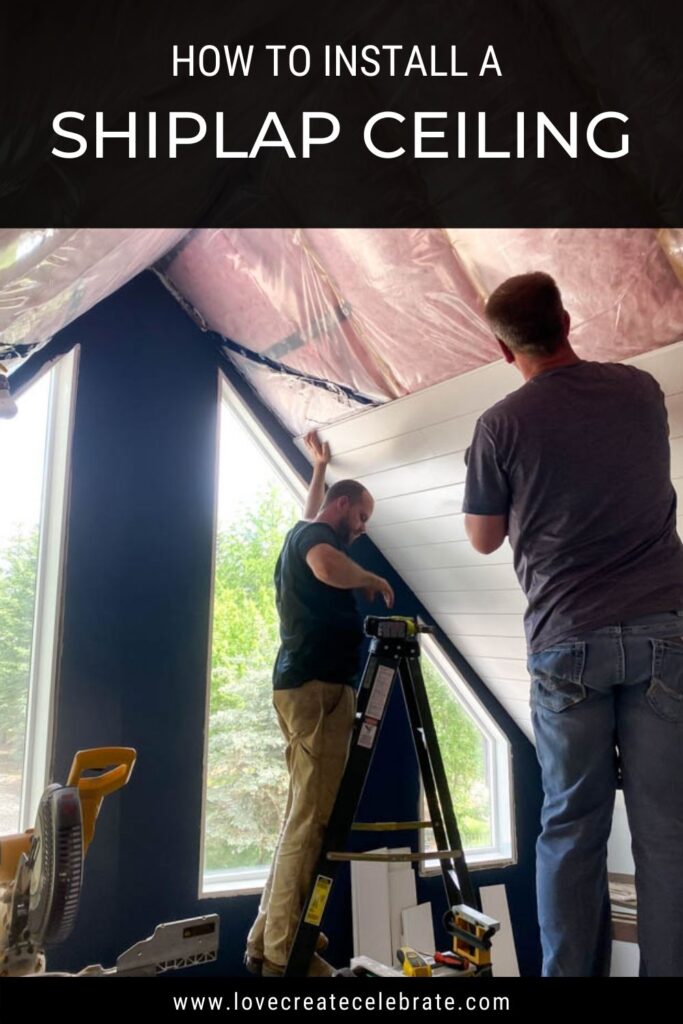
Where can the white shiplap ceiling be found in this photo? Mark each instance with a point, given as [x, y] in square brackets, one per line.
[410, 455]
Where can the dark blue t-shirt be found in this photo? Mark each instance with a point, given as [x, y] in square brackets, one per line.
[578, 459]
[320, 628]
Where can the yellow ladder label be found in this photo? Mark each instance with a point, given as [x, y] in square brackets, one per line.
[318, 900]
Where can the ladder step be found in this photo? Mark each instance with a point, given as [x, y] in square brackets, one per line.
[393, 857]
[388, 826]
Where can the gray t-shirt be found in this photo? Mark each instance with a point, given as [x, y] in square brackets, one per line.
[578, 459]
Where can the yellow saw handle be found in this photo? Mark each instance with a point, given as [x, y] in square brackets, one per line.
[92, 790]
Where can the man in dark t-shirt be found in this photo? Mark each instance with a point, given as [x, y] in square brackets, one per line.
[314, 679]
[574, 468]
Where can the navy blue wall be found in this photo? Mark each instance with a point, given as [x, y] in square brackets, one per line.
[135, 650]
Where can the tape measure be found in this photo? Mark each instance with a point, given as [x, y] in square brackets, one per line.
[414, 965]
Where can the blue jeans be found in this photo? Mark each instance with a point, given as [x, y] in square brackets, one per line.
[606, 701]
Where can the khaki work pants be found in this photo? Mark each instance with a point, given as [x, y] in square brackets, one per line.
[316, 720]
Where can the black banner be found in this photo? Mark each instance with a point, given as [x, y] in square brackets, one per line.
[174, 999]
[383, 113]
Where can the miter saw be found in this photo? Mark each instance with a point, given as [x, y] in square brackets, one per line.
[41, 869]
[41, 872]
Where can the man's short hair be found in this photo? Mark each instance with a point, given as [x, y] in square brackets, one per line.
[526, 312]
[350, 489]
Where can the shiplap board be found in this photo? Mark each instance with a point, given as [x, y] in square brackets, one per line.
[625, 960]
[430, 504]
[674, 405]
[419, 531]
[451, 435]
[494, 903]
[514, 692]
[677, 457]
[665, 364]
[416, 476]
[410, 453]
[402, 894]
[493, 647]
[470, 393]
[619, 855]
[484, 624]
[484, 577]
[435, 502]
[511, 689]
[517, 708]
[495, 601]
[418, 928]
[371, 909]
[447, 554]
[380, 894]
[519, 712]
[500, 668]
[513, 695]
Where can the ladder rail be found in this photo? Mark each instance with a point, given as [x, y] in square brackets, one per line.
[435, 781]
[374, 692]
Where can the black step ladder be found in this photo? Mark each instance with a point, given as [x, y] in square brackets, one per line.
[394, 651]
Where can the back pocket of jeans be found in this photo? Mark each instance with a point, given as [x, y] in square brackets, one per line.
[665, 693]
[556, 675]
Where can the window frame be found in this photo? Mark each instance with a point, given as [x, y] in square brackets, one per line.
[49, 599]
[503, 851]
[236, 881]
[250, 881]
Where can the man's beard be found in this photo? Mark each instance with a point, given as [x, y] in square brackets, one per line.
[344, 533]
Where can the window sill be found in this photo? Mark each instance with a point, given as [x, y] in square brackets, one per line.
[475, 862]
[218, 884]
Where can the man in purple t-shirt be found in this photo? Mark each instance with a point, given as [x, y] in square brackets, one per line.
[574, 467]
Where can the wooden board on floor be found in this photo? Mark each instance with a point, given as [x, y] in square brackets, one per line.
[494, 902]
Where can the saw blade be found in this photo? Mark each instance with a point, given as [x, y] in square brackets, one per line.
[56, 866]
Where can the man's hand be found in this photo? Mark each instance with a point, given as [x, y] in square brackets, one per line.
[379, 587]
[318, 450]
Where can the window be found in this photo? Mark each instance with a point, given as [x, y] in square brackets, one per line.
[35, 450]
[259, 499]
[476, 756]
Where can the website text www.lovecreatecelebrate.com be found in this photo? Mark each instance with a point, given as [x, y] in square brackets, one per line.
[422, 1002]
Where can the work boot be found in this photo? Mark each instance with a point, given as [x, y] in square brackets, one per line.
[318, 968]
[254, 961]
[254, 964]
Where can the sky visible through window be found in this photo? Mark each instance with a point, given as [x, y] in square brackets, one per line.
[22, 444]
[246, 778]
[22, 447]
[244, 472]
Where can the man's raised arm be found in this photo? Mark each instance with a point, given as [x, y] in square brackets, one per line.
[320, 452]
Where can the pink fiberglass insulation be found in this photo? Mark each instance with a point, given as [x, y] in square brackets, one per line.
[389, 312]
[263, 289]
[413, 304]
[300, 406]
[618, 284]
[48, 277]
